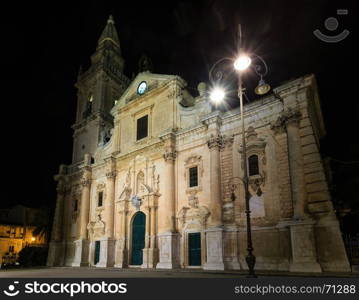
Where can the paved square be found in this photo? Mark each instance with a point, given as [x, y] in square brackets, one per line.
[91, 272]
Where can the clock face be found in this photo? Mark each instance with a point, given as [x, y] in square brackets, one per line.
[142, 87]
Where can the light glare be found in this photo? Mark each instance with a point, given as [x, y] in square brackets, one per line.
[242, 62]
[217, 95]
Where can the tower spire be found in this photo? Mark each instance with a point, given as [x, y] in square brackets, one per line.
[109, 33]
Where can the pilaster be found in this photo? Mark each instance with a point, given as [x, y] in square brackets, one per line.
[304, 252]
[82, 244]
[56, 247]
[121, 252]
[167, 237]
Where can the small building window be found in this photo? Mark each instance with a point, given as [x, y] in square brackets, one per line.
[142, 127]
[88, 109]
[100, 199]
[75, 205]
[193, 176]
[253, 166]
[11, 248]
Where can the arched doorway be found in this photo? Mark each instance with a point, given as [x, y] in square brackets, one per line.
[138, 238]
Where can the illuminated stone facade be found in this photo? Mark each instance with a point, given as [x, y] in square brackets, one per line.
[184, 175]
[16, 232]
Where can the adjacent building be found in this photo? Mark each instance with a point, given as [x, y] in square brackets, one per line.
[155, 180]
[16, 231]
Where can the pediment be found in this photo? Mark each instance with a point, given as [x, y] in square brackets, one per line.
[153, 81]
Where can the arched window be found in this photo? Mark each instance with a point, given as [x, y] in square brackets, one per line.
[88, 108]
[253, 167]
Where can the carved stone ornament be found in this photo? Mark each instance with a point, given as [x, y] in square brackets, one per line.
[288, 116]
[215, 142]
[256, 146]
[193, 200]
[193, 160]
[97, 228]
[219, 141]
[175, 92]
[125, 194]
[61, 188]
[155, 179]
[101, 186]
[111, 174]
[197, 215]
[170, 155]
[253, 142]
[256, 182]
[85, 182]
[136, 202]
[128, 178]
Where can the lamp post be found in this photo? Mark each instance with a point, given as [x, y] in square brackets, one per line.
[241, 64]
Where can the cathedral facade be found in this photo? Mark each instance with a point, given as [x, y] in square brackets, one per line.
[155, 180]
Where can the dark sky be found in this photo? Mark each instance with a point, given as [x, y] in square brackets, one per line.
[44, 44]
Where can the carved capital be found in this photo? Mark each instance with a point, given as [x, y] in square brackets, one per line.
[85, 182]
[111, 174]
[174, 92]
[170, 155]
[61, 189]
[216, 142]
[290, 116]
[293, 116]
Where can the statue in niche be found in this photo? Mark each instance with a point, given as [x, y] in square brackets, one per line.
[158, 182]
[153, 175]
[155, 179]
[128, 178]
[140, 182]
[256, 206]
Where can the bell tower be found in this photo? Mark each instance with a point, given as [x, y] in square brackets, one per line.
[98, 87]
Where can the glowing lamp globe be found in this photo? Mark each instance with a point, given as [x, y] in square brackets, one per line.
[217, 95]
[242, 62]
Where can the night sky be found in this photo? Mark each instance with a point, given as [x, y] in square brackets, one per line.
[43, 46]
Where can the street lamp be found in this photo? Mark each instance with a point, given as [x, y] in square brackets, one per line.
[217, 95]
[241, 64]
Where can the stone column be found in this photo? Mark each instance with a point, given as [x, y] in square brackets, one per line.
[168, 238]
[67, 229]
[153, 250]
[107, 248]
[214, 145]
[145, 250]
[56, 253]
[296, 164]
[121, 258]
[82, 244]
[304, 253]
[214, 233]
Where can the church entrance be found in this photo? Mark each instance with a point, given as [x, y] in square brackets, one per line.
[138, 238]
[97, 252]
[194, 249]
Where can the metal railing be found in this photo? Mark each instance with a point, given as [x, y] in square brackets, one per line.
[352, 246]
